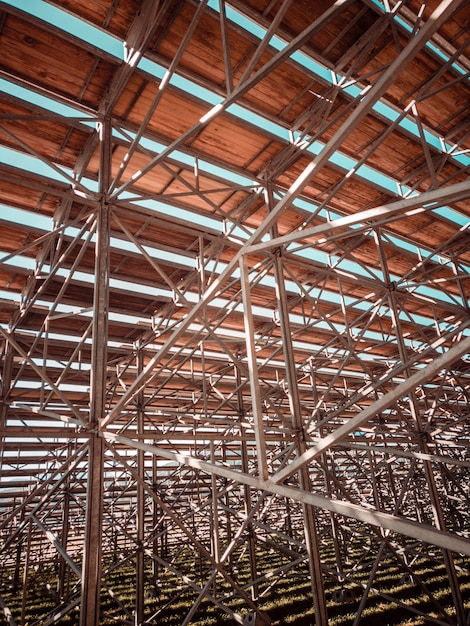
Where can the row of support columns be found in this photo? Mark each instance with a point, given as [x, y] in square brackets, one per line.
[93, 541]
[91, 580]
[213, 459]
[91, 577]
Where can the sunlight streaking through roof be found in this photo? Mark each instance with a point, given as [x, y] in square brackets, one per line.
[102, 40]
[111, 45]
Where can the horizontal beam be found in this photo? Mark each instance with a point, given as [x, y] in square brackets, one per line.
[382, 214]
[398, 524]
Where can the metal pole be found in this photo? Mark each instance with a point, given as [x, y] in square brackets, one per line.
[215, 527]
[329, 465]
[18, 559]
[140, 513]
[5, 392]
[91, 576]
[157, 525]
[246, 488]
[26, 573]
[257, 407]
[62, 583]
[310, 522]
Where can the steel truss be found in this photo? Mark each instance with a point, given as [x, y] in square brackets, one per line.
[218, 374]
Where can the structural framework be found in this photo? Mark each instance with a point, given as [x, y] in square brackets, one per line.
[235, 271]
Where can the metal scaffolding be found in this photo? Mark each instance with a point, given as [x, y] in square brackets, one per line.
[234, 308]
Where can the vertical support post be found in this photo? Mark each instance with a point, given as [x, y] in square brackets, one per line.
[157, 526]
[62, 582]
[6, 375]
[253, 370]
[246, 488]
[5, 392]
[228, 521]
[18, 559]
[215, 517]
[140, 512]
[310, 523]
[328, 463]
[26, 566]
[91, 571]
